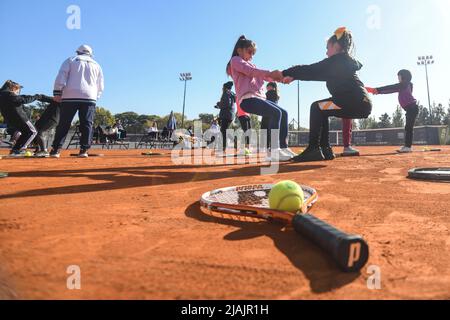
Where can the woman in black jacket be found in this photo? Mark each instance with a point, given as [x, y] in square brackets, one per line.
[226, 115]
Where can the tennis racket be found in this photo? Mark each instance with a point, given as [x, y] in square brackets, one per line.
[151, 154]
[90, 155]
[251, 203]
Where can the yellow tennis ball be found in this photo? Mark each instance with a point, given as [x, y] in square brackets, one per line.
[28, 154]
[286, 196]
[247, 152]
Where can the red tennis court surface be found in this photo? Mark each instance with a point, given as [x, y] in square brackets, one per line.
[133, 226]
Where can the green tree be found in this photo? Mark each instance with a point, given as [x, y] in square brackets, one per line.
[438, 114]
[369, 123]
[447, 116]
[397, 118]
[103, 117]
[143, 121]
[128, 119]
[423, 117]
[385, 121]
[206, 118]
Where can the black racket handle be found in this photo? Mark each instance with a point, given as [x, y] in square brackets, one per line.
[350, 252]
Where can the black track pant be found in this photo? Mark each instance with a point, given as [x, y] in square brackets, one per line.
[15, 117]
[224, 125]
[245, 126]
[48, 121]
[411, 115]
[323, 109]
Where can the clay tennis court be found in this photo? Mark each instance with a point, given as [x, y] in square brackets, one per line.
[134, 227]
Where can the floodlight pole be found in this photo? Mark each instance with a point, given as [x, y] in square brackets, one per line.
[425, 61]
[298, 105]
[184, 77]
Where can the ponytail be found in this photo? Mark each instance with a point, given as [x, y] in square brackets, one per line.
[242, 43]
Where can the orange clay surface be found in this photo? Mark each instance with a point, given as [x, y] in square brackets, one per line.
[133, 225]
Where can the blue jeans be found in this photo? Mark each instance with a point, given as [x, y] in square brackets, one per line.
[277, 117]
[86, 113]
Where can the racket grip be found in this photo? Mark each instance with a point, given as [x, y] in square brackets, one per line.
[350, 252]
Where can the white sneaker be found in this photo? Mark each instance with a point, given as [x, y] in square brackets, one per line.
[349, 151]
[83, 154]
[42, 154]
[278, 156]
[288, 151]
[405, 150]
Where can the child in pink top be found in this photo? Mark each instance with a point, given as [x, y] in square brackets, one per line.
[249, 84]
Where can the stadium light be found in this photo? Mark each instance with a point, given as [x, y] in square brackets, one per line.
[426, 61]
[184, 77]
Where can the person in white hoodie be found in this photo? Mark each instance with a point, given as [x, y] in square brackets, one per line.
[78, 86]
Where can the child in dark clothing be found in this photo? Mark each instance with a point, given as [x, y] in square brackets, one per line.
[226, 115]
[271, 95]
[11, 107]
[407, 102]
[349, 98]
[49, 120]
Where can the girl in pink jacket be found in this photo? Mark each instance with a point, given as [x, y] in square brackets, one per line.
[249, 83]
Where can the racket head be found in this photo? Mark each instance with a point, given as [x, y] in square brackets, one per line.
[432, 174]
[151, 154]
[100, 155]
[250, 203]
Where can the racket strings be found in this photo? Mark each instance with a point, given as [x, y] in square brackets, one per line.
[254, 198]
[232, 216]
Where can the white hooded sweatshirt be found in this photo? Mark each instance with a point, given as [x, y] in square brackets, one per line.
[79, 79]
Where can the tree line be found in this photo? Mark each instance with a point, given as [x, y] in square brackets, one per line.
[437, 115]
[139, 123]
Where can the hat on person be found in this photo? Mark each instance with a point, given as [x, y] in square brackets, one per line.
[85, 49]
[228, 85]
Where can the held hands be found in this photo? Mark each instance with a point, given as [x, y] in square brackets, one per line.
[277, 76]
[372, 90]
[287, 80]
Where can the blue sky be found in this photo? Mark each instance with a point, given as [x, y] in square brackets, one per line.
[144, 45]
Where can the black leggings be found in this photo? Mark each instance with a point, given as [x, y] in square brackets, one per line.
[49, 120]
[323, 109]
[17, 119]
[245, 125]
[411, 115]
[224, 125]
